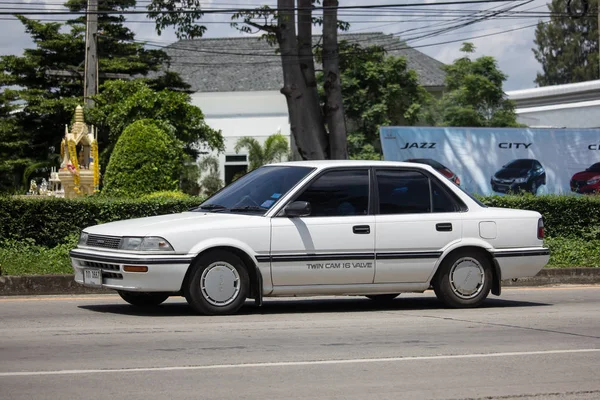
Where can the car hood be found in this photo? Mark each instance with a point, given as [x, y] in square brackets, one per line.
[508, 173]
[162, 225]
[585, 175]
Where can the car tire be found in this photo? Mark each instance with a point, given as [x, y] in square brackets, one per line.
[218, 284]
[534, 187]
[143, 299]
[464, 279]
[382, 297]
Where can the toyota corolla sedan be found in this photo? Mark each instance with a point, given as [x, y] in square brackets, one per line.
[357, 228]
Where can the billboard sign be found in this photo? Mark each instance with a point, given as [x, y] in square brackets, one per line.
[503, 160]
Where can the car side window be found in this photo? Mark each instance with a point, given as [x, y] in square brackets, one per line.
[338, 193]
[442, 202]
[403, 192]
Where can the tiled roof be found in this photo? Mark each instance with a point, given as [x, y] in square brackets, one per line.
[250, 64]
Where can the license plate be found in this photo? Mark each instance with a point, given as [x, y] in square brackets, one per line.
[92, 277]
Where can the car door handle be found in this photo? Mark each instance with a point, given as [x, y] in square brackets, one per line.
[444, 227]
[361, 229]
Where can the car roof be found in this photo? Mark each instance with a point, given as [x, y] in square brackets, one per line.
[321, 164]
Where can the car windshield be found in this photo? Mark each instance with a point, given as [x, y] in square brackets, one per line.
[594, 168]
[519, 164]
[256, 191]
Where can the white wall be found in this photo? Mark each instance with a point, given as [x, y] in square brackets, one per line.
[571, 115]
[238, 114]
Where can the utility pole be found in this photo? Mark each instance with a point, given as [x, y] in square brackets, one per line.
[91, 53]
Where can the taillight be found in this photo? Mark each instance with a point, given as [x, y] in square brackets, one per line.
[540, 228]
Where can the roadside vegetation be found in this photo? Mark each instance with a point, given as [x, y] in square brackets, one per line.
[37, 234]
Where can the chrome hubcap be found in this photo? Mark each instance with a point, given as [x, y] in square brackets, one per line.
[467, 278]
[220, 284]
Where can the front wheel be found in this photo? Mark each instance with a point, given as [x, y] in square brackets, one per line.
[464, 280]
[218, 284]
[143, 299]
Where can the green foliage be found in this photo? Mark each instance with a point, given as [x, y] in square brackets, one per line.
[474, 95]
[377, 90]
[567, 48]
[146, 159]
[575, 217]
[48, 221]
[275, 148]
[569, 252]
[24, 257]
[46, 83]
[121, 103]
[211, 181]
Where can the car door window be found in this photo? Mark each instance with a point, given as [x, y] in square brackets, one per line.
[441, 200]
[338, 193]
[403, 192]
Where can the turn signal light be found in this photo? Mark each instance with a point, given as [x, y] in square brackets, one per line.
[135, 268]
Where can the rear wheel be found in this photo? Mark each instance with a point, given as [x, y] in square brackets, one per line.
[464, 279]
[143, 299]
[218, 284]
[383, 297]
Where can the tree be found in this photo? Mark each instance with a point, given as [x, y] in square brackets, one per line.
[567, 48]
[13, 158]
[120, 103]
[275, 148]
[307, 121]
[211, 182]
[49, 77]
[147, 158]
[378, 90]
[474, 95]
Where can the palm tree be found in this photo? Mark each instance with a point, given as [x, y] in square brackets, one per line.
[275, 147]
[211, 182]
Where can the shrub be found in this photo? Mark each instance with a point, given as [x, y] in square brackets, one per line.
[166, 194]
[564, 216]
[147, 158]
[48, 221]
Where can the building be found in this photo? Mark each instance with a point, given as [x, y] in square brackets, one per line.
[236, 83]
[574, 105]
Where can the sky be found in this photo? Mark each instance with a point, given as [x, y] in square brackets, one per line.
[512, 50]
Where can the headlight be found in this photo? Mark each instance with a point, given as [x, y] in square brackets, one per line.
[593, 181]
[150, 243]
[83, 239]
[521, 180]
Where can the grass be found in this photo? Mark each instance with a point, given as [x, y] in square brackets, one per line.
[27, 258]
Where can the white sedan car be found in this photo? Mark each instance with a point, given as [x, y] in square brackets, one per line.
[368, 228]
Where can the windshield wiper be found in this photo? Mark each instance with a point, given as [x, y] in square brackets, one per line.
[210, 207]
[248, 208]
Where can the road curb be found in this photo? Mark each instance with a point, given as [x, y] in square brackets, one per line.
[64, 284]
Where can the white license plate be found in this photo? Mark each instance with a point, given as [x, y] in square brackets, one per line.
[92, 277]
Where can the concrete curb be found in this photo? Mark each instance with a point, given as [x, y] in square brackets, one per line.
[64, 284]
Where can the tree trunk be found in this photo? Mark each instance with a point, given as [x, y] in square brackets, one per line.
[305, 115]
[334, 109]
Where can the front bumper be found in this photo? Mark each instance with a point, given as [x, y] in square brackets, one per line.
[509, 187]
[165, 272]
[585, 189]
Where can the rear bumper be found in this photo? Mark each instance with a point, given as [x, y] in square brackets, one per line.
[165, 273]
[521, 263]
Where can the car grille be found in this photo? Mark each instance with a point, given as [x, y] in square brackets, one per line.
[107, 242]
[578, 184]
[109, 271]
[504, 181]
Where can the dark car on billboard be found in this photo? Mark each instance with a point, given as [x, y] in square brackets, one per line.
[522, 175]
[587, 181]
[438, 167]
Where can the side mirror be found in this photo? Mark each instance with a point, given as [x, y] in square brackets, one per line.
[298, 209]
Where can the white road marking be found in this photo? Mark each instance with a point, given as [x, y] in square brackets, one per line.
[296, 363]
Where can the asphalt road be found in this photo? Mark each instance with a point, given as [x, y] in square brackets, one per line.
[541, 343]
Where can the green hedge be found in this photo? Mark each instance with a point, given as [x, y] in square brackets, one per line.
[564, 216]
[49, 221]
